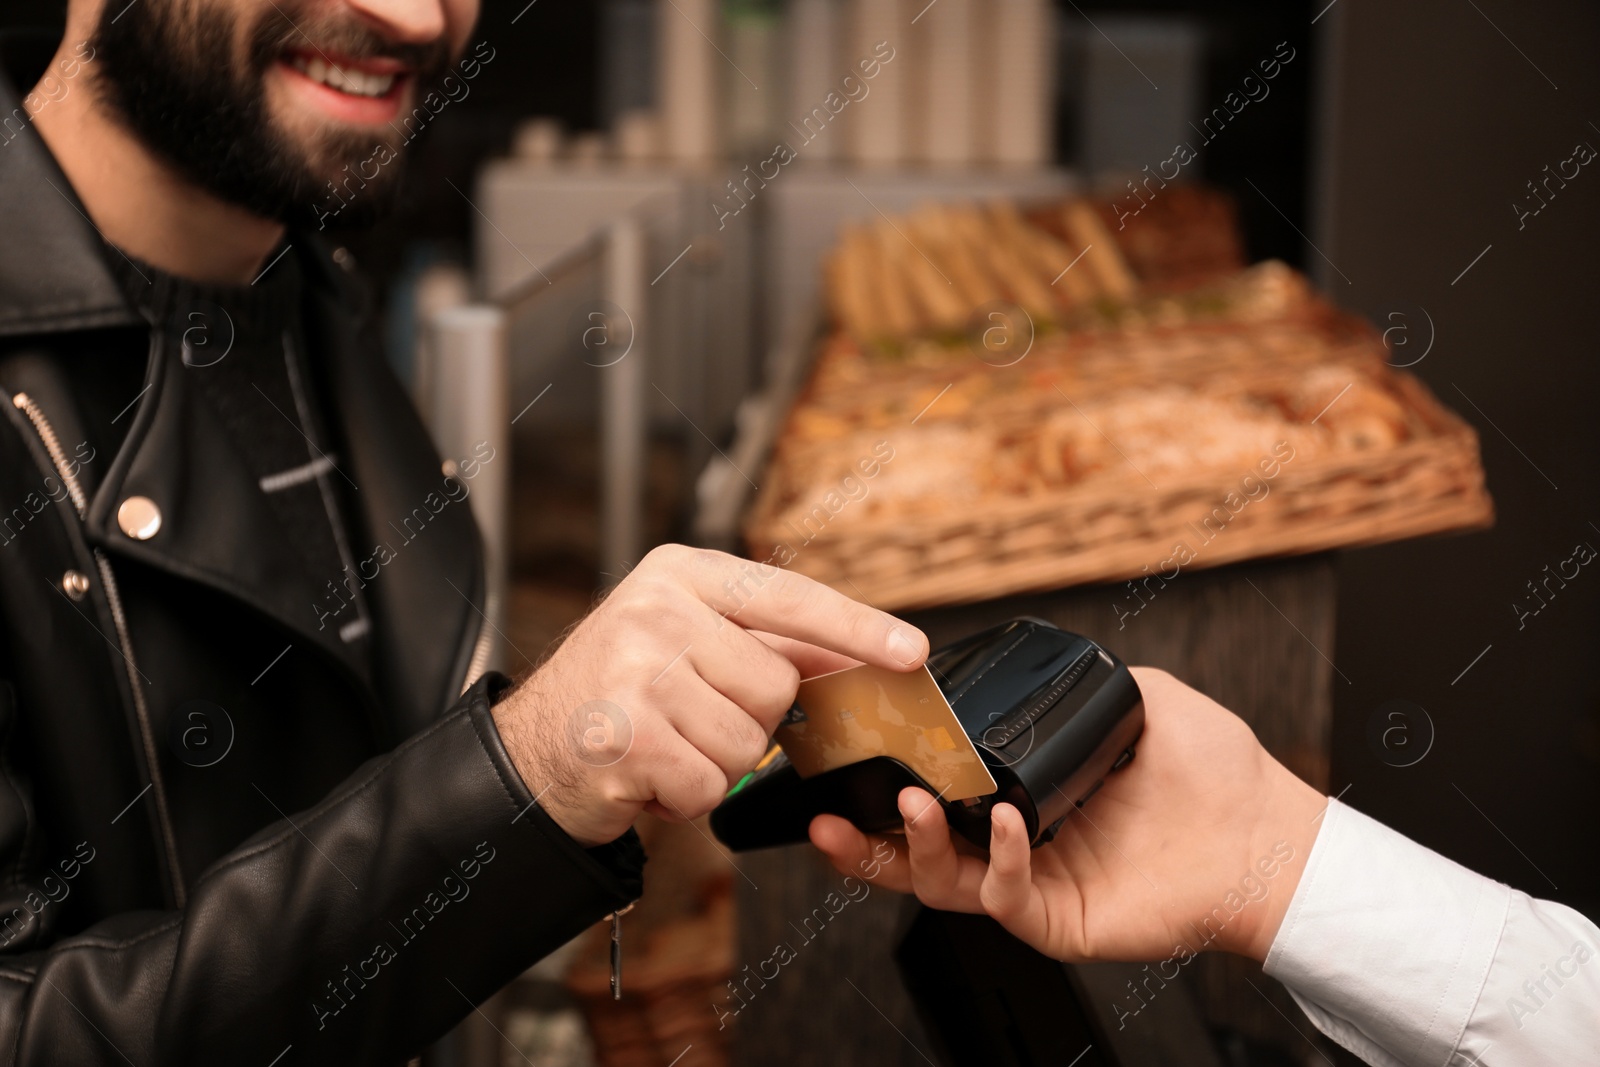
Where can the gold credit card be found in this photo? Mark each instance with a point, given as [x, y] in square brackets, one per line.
[861, 712]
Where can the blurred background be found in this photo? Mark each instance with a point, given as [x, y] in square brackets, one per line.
[625, 244]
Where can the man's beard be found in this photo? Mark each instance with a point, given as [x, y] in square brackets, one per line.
[167, 69]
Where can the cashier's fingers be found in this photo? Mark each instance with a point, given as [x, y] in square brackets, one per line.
[1008, 894]
[853, 852]
[941, 877]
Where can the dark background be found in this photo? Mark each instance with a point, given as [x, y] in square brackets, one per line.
[1398, 144]
[1440, 120]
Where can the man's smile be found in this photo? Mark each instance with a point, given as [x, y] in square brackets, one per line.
[346, 89]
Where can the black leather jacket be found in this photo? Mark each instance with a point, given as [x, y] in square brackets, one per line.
[362, 863]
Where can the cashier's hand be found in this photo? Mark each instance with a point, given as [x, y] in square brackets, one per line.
[667, 693]
[1202, 826]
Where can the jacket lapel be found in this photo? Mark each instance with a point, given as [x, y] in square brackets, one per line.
[428, 595]
[218, 528]
[417, 551]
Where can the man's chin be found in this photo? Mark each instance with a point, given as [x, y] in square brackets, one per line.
[362, 192]
[343, 178]
[343, 161]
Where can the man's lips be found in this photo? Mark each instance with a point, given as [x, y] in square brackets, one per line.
[347, 89]
[362, 64]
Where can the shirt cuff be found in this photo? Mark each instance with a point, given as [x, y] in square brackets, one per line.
[1386, 944]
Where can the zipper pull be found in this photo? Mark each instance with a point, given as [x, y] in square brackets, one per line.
[616, 951]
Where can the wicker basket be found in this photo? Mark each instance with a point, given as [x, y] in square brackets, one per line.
[1106, 529]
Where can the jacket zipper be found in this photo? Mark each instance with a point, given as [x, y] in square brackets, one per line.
[480, 656]
[616, 950]
[52, 445]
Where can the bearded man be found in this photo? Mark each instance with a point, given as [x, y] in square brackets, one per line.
[260, 804]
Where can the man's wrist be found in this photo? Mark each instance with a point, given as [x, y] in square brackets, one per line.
[1291, 818]
[532, 756]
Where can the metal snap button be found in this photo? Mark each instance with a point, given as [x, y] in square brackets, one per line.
[75, 584]
[139, 518]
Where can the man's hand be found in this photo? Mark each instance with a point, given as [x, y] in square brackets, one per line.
[1198, 843]
[668, 692]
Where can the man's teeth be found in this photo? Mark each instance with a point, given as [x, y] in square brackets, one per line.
[354, 82]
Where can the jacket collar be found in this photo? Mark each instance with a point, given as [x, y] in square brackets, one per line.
[427, 593]
[55, 277]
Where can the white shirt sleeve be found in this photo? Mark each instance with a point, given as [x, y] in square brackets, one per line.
[1408, 959]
